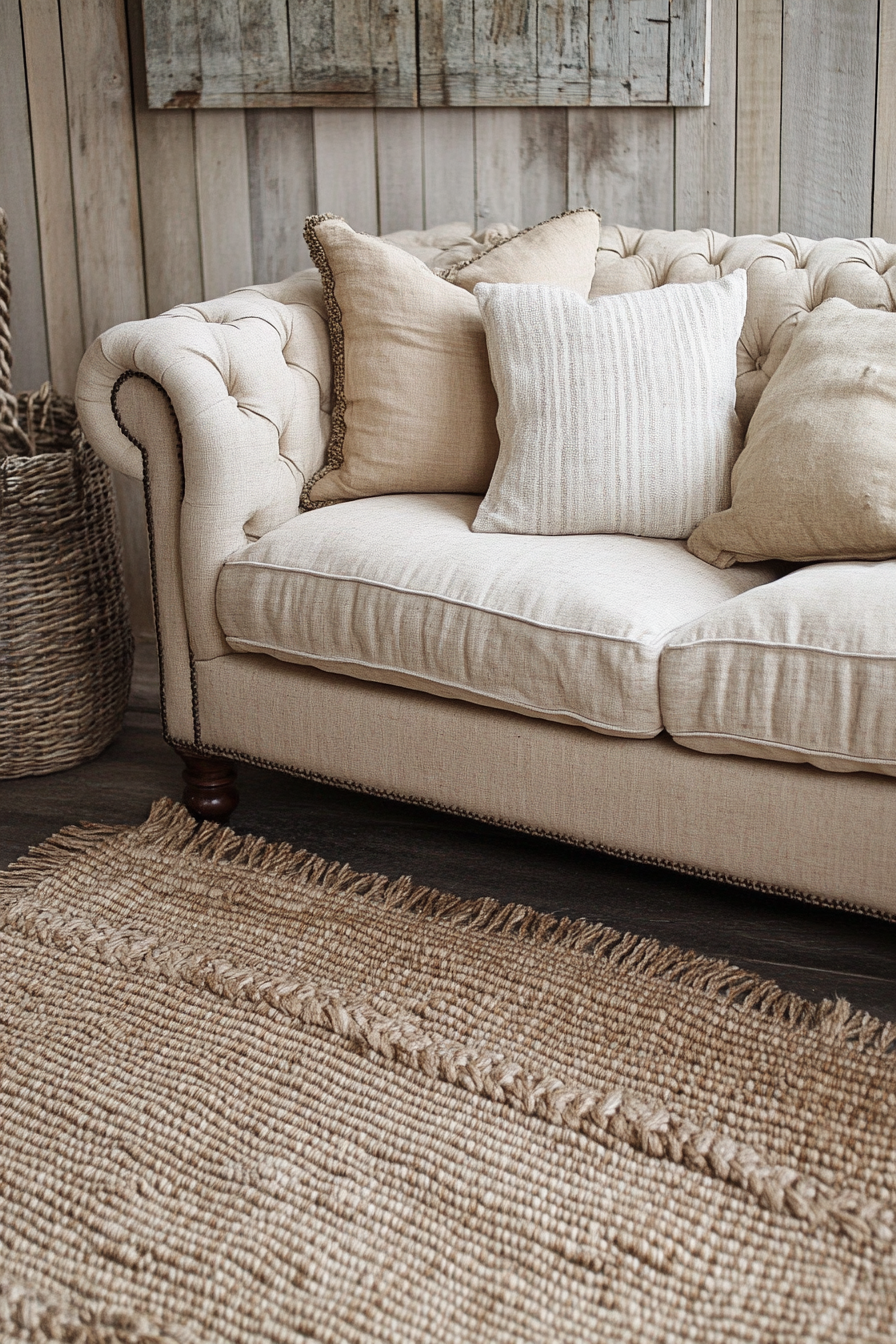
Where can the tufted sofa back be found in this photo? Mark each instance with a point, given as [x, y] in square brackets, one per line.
[786, 278]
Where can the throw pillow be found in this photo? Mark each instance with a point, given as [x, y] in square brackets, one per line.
[615, 415]
[555, 253]
[817, 477]
[413, 403]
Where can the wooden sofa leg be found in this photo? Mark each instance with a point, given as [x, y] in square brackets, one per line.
[210, 791]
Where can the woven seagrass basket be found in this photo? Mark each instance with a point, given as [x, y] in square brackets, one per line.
[66, 649]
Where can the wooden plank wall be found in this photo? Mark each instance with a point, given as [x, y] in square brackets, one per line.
[117, 212]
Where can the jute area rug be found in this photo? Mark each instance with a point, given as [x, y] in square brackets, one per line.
[250, 1095]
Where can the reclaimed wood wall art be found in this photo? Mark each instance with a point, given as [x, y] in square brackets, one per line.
[426, 53]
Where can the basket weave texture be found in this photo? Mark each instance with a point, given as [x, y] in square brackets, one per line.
[66, 649]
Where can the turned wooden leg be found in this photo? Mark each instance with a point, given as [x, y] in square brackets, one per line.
[210, 790]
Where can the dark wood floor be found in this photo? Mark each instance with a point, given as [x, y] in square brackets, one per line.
[815, 952]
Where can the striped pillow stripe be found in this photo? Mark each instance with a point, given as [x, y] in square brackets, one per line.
[615, 415]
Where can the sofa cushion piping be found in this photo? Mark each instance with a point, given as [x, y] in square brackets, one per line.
[455, 602]
[779, 647]
[784, 746]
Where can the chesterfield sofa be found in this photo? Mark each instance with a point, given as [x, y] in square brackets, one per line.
[222, 408]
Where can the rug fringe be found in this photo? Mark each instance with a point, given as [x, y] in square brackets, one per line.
[646, 1125]
[171, 827]
[640, 1123]
[41, 861]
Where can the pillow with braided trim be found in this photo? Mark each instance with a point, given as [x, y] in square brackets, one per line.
[413, 403]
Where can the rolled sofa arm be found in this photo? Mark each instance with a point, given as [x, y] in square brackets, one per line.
[222, 408]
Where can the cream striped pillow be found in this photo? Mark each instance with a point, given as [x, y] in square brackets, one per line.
[615, 415]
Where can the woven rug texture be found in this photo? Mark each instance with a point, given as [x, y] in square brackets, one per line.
[250, 1095]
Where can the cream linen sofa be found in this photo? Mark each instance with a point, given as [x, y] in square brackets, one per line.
[538, 682]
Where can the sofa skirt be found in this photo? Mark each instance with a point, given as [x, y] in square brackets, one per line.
[794, 829]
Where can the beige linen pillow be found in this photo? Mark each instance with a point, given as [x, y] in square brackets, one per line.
[562, 251]
[616, 415]
[817, 476]
[413, 403]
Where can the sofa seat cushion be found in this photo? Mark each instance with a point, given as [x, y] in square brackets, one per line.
[399, 589]
[801, 670]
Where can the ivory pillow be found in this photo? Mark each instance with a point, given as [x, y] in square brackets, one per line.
[615, 415]
[414, 407]
[817, 477]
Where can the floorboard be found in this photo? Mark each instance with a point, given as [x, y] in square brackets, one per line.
[812, 951]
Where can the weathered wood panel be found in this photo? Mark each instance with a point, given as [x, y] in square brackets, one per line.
[220, 57]
[169, 210]
[399, 168]
[222, 192]
[520, 165]
[29, 333]
[396, 53]
[53, 182]
[345, 165]
[621, 163]
[172, 56]
[104, 163]
[281, 189]
[651, 24]
[884, 206]
[107, 213]
[564, 48]
[449, 166]
[280, 53]
[505, 52]
[609, 83]
[705, 139]
[331, 47]
[446, 61]
[758, 165]
[599, 53]
[265, 45]
[689, 53]
[563, 52]
[827, 120]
